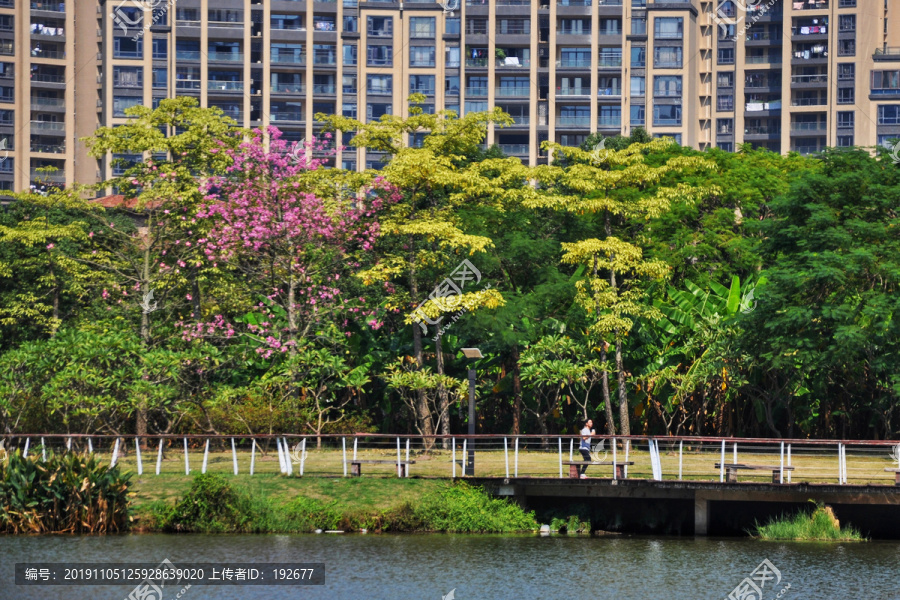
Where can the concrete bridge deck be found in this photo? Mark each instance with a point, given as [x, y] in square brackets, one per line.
[716, 507]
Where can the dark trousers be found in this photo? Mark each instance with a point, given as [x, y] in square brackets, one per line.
[586, 455]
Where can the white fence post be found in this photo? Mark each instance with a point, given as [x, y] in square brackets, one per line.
[453, 455]
[205, 456]
[560, 458]
[722, 464]
[464, 458]
[234, 456]
[187, 465]
[302, 456]
[506, 456]
[355, 440]
[571, 450]
[516, 472]
[344, 443]
[789, 462]
[407, 457]
[137, 452]
[781, 474]
[280, 456]
[399, 468]
[627, 453]
[288, 462]
[90, 446]
[252, 455]
[115, 455]
[840, 465]
[680, 457]
[27, 442]
[69, 445]
[44, 450]
[159, 456]
[614, 459]
[734, 452]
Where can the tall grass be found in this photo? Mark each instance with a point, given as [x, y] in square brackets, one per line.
[213, 505]
[818, 525]
[67, 493]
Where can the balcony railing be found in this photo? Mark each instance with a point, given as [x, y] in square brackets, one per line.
[226, 56]
[49, 6]
[48, 125]
[187, 54]
[514, 148]
[764, 130]
[822, 78]
[187, 84]
[512, 91]
[225, 86]
[286, 116]
[38, 103]
[49, 148]
[818, 126]
[476, 91]
[57, 176]
[573, 121]
[290, 88]
[323, 88]
[584, 63]
[287, 59]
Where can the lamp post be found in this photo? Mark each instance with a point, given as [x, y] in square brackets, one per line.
[471, 354]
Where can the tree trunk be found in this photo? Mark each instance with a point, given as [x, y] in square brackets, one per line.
[624, 424]
[423, 414]
[517, 392]
[610, 421]
[443, 397]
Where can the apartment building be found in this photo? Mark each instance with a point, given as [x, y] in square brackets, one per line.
[785, 75]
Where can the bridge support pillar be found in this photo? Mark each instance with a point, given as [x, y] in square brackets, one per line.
[701, 515]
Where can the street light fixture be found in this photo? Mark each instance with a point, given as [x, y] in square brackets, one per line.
[471, 354]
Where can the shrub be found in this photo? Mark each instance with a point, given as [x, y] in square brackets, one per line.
[69, 493]
[462, 508]
[210, 506]
[820, 525]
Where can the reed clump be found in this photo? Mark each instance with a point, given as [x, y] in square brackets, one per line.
[819, 525]
[67, 493]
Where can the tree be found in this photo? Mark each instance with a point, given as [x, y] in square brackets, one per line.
[621, 188]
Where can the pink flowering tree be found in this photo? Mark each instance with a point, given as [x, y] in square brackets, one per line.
[296, 233]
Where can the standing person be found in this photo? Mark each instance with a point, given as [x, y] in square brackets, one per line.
[585, 446]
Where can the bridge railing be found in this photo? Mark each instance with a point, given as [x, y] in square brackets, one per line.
[656, 458]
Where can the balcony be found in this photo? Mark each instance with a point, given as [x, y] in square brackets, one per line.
[48, 126]
[57, 176]
[512, 92]
[57, 7]
[514, 148]
[477, 62]
[811, 5]
[476, 91]
[49, 148]
[288, 59]
[809, 79]
[818, 126]
[184, 55]
[762, 131]
[574, 63]
[324, 88]
[290, 88]
[47, 103]
[188, 84]
[225, 86]
[573, 91]
[573, 121]
[286, 116]
[226, 56]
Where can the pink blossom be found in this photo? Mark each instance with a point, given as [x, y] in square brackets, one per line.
[49, 246]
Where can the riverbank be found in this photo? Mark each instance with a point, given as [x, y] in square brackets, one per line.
[219, 504]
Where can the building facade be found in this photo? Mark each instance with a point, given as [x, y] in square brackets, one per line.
[788, 76]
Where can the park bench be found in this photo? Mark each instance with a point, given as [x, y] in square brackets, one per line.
[732, 469]
[356, 471]
[896, 473]
[619, 466]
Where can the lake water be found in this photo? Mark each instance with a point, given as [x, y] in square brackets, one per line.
[428, 567]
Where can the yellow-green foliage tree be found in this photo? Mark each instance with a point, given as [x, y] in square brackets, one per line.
[422, 233]
[619, 188]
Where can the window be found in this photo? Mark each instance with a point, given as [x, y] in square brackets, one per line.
[668, 28]
[451, 85]
[421, 84]
[221, 15]
[666, 114]
[638, 26]
[726, 56]
[847, 23]
[421, 56]
[638, 56]
[610, 116]
[725, 102]
[324, 54]
[573, 27]
[610, 57]
[889, 115]
[126, 47]
[844, 141]
[452, 60]
[379, 84]
[451, 26]
[380, 26]
[610, 27]
[375, 111]
[846, 95]
[575, 57]
[846, 71]
[669, 56]
[128, 76]
[421, 27]
[846, 119]
[638, 86]
[351, 24]
[846, 47]
[160, 47]
[516, 26]
[667, 85]
[637, 115]
[725, 79]
[348, 109]
[379, 56]
[349, 55]
[288, 54]
[476, 106]
[349, 85]
[122, 103]
[160, 77]
[724, 126]
[187, 50]
[726, 146]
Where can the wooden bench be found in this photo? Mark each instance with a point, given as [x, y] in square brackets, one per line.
[619, 466]
[732, 469]
[356, 471]
[896, 473]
